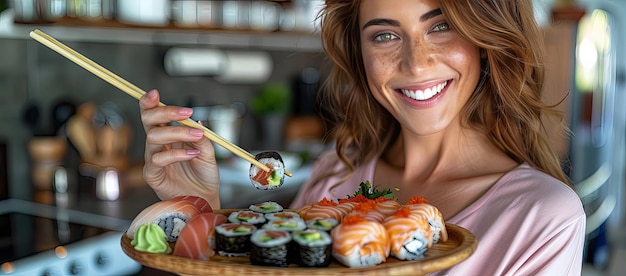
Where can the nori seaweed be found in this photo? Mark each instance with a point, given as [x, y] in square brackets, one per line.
[269, 154]
[269, 256]
[232, 244]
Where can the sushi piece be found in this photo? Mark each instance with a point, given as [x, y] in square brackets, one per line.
[409, 236]
[270, 247]
[358, 242]
[419, 207]
[282, 216]
[266, 207]
[324, 208]
[286, 224]
[197, 239]
[313, 247]
[233, 239]
[367, 209]
[273, 179]
[387, 207]
[199, 202]
[245, 216]
[170, 215]
[323, 224]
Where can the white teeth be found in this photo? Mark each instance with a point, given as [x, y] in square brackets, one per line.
[425, 94]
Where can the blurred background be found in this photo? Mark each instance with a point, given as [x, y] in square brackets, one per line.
[251, 71]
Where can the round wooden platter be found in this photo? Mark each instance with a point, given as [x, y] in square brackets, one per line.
[460, 245]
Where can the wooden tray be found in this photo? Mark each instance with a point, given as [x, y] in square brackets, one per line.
[460, 245]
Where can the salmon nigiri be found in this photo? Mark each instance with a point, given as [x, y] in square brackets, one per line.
[197, 239]
[358, 242]
[199, 202]
[171, 215]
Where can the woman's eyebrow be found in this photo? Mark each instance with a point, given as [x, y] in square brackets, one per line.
[381, 21]
[395, 23]
[430, 14]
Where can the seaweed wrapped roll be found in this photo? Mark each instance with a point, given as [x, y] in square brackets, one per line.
[313, 247]
[266, 207]
[273, 179]
[249, 217]
[270, 247]
[233, 239]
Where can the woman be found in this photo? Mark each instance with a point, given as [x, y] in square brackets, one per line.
[435, 98]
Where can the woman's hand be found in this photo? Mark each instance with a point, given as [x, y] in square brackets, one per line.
[179, 160]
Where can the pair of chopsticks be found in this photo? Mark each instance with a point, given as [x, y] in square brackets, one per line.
[136, 92]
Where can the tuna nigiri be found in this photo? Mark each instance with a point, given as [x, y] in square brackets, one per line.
[170, 215]
[358, 242]
[197, 239]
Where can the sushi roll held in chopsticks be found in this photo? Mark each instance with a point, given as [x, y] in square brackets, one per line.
[273, 179]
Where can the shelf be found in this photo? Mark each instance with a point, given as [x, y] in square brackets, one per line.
[115, 32]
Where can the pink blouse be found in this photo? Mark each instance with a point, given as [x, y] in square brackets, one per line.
[528, 223]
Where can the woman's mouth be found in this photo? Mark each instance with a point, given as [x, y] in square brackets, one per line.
[425, 94]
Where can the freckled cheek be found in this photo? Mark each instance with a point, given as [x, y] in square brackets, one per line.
[378, 67]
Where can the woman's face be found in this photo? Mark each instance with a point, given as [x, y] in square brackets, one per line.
[418, 68]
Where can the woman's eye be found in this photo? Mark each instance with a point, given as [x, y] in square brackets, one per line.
[441, 27]
[384, 37]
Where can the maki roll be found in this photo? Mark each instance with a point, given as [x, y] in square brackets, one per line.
[266, 207]
[233, 239]
[270, 247]
[273, 179]
[249, 217]
[313, 247]
[323, 224]
[294, 224]
[282, 216]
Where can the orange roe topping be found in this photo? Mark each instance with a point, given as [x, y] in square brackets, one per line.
[403, 212]
[417, 200]
[356, 198]
[353, 219]
[365, 206]
[382, 198]
[326, 202]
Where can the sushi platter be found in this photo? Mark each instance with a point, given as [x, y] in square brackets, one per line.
[460, 244]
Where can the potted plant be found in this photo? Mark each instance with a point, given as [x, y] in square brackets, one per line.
[272, 104]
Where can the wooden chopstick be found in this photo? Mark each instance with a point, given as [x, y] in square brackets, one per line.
[136, 92]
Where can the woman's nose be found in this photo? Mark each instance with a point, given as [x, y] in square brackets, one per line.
[417, 57]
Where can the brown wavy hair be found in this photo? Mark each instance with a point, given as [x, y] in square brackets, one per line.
[506, 104]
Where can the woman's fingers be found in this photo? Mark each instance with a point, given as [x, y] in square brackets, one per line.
[171, 156]
[153, 115]
[158, 136]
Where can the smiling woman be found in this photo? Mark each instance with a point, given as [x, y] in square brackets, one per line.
[438, 99]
